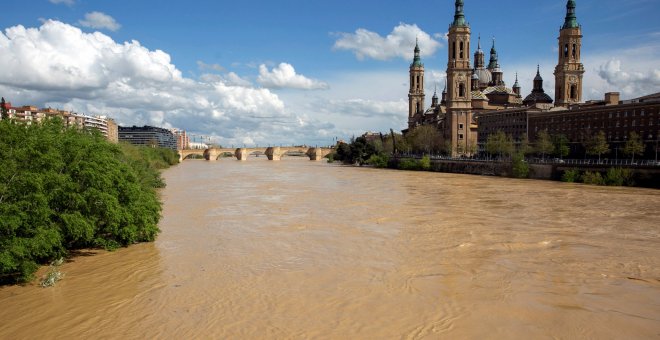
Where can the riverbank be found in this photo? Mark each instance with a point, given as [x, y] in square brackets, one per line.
[645, 176]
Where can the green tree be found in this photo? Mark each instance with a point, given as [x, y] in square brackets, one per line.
[560, 144]
[597, 145]
[63, 189]
[3, 108]
[544, 144]
[634, 146]
[500, 144]
[524, 147]
[424, 139]
[519, 166]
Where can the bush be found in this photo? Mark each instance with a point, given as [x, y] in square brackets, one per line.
[519, 166]
[592, 178]
[331, 158]
[408, 164]
[378, 160]
[571, 176]
[63, 189]
[618, 177]
[425, 163]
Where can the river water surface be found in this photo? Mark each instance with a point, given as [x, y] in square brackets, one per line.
[298, 249]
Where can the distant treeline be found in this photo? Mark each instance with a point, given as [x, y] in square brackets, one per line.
[63, 189]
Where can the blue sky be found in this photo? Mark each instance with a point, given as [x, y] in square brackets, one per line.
[279, 72]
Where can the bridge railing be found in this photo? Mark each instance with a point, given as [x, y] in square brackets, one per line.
[553, 161]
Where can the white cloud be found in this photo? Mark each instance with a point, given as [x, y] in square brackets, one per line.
[98, 20]
[630, 82]
[398, 44]
[60, 66]
[66, 2]
[284, 76]
[209, 67]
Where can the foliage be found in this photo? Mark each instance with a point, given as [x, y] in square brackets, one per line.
[4, 115]
[424, 139]
[378, 160]
[618, 177]
[408, 164]
[413, 164]
[499, 144]
[560, 144]
[520, 166]
[524, 147]
[358, 152]
[597, 145]
[571, 176]
[331, 157]
[400, 142]
[592, 178]
[425, 163]
[62, 189]
[634, 146]
[544, 144]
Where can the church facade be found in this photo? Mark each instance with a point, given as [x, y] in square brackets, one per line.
[473, 89]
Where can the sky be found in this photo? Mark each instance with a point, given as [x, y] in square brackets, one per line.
[295, 72]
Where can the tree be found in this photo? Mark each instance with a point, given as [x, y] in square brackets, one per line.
[500, 144]
[544, 144]
[424, 139]
[399, 143]
[634, 146]
[597, 145]
[3, 107]
[560, 144]
[524, 147]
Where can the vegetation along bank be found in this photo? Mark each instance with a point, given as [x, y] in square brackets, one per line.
[63, 189]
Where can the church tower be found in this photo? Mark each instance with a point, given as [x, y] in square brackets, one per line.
[416, 93]
[569, 70]
[459, 77]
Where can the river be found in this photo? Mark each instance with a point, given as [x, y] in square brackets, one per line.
[309, 250]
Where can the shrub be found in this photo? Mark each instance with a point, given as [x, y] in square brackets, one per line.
[63, 189]
[408, 164]
[571, 176]
[618, 177]
[378, 160]
[592, 178]
[425, 163]
[519, 166]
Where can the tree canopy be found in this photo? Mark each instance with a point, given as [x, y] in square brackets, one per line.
[63, 189]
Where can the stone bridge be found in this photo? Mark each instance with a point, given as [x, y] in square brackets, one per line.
[274, 153]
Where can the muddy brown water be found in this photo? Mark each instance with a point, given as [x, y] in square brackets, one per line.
[308, 250]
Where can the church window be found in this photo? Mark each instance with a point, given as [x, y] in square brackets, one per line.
[461, 47]
[418, 108]
[573, 92]
[461, 90]
[460, 126]
[574, 50]
[453, 49]
[417, 83]
[566, 51]
[460, 136]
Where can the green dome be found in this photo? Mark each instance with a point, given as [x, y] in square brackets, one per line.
[571, 19]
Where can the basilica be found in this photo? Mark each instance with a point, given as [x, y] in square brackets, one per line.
[477, 88]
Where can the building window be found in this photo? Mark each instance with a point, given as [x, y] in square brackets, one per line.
[573, 92]
[460, 136]
[610, 114]
[625, 114]
[566, 51]
[461, 90]
[461, 47]
[642, 113]
[460, 126]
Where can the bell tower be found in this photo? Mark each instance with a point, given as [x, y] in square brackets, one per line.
[569, 70]
[459, 76]
[416, 94]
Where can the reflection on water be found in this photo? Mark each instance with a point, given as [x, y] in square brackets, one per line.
[300, 249]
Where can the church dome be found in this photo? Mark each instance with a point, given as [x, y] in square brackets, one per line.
[485, 77]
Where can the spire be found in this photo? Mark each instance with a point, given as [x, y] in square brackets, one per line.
[538, 80]
[479, 44]
[516, 83]
[493, 57]
[417, 61]
[459, 17]
[571, 19]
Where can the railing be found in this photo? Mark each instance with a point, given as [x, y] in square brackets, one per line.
[554, 161]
